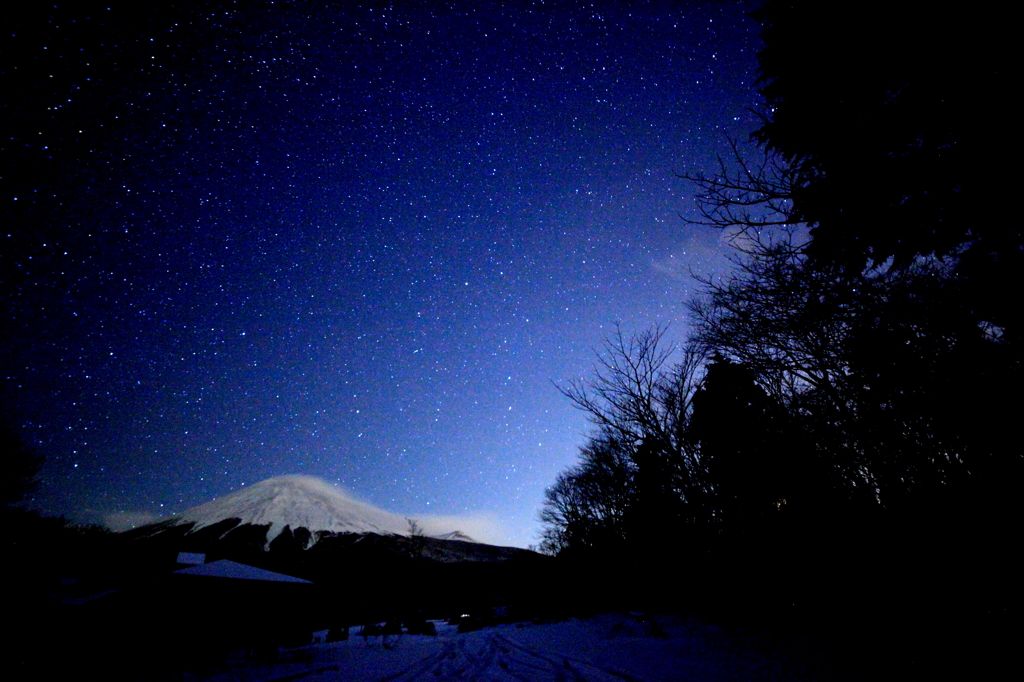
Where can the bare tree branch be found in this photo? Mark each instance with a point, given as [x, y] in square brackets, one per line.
[748, 199]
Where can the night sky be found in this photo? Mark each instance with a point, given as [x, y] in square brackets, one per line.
[356, 242]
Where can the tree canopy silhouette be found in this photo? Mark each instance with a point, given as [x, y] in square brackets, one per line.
[883, 116]
[21, 464]
[860, 366]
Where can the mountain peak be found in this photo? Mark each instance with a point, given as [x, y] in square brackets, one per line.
[298, 501]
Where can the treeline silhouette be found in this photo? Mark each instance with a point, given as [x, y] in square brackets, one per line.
[835, 439]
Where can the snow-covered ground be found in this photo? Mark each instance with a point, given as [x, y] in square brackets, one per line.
[606, 648]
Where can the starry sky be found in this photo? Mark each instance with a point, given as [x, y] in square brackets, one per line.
[361, 242]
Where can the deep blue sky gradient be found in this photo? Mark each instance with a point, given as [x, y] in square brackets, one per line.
[360, 243]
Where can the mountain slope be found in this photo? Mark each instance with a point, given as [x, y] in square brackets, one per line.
[299, 502]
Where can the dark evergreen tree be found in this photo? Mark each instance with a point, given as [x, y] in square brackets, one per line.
[738, 428]
[884, 115]
[22, 465]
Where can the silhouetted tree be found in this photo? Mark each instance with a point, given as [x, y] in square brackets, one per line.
[638, 395]
[417, 539]
[586, 507]
[746, 198]
[871, 371]
[892, 144]
[737, 427]
[21, 467]
[640, 473]
[877, 288]
[859, 411]
[888, 139]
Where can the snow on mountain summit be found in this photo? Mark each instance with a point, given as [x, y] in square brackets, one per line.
[297, 501]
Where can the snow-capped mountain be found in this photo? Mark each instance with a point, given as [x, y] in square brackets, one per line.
[300, 502]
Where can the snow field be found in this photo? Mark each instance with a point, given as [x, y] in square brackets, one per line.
[606, 648]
